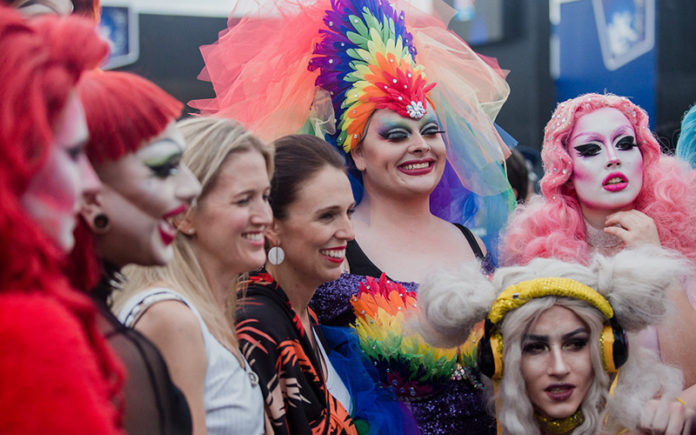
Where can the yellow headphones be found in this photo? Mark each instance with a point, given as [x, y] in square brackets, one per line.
[613, 340]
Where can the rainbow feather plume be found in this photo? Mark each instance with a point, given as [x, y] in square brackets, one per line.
[366, 62]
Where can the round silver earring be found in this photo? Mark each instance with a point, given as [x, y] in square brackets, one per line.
[276, 255]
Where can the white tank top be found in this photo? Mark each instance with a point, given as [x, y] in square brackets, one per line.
[233, 399]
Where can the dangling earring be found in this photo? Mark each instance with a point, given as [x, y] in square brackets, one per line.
[276, 255]
[101, 223]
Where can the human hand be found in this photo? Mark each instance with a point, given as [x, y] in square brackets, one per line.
[634, 228]
[666, 418]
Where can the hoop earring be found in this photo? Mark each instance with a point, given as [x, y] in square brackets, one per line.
[101, 223]
[276, 255]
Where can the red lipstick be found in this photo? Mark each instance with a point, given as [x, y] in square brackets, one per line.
[167, 231]
[337, 260]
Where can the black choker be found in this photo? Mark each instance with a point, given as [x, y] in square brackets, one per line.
[561, 425]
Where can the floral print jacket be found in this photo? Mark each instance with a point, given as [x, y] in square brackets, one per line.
[278, 349]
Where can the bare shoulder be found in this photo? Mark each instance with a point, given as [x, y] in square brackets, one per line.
[170, 322]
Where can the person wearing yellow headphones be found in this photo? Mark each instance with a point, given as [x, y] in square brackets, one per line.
[556, 342]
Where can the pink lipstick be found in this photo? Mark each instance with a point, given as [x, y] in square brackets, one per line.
[417, 167]
[181, 209]
[615, 182]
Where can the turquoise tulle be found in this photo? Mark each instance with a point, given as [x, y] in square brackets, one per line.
[686, 145]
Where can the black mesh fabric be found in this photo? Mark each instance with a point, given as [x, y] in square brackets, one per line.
[153, 404]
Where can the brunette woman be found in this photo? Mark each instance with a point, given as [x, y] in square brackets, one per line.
[278, 332]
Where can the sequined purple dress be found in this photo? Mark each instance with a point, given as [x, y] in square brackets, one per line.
[460, 407]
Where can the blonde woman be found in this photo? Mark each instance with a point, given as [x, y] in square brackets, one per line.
[185, 307]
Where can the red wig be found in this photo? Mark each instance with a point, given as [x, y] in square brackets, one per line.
[87, 8]
[554, 226]
[123, 112]
[42, 62]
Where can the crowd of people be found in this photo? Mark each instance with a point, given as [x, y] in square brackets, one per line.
[332, 245]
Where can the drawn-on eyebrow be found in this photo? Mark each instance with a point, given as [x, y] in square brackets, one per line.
[166, 141]
[595, 136]
[533, 337]
[588, 137]
[388, 126]
[623, 130]
[427, 119]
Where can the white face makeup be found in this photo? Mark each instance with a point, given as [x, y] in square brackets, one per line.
[556, 362]
[143, 192]
[401, 155]
[54, 193]
[40, 7]
[607, 163]
[317, 226]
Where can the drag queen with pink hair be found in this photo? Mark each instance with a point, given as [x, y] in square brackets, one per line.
[608, 187]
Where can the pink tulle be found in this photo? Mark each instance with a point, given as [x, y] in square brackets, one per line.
[252, 72]
[261, 78]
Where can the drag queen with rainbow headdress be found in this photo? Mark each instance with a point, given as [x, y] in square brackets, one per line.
[412, 107]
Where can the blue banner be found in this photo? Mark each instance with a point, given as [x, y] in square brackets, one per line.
[119, 26]
[605, 46]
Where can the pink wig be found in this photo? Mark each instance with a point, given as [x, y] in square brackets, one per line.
[554, 226]
[123, 112]
[41, 63]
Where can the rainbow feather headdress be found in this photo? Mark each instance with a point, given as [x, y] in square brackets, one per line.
[317, 70]
[366, 62]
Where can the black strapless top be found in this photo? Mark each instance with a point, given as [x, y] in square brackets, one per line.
[360, 264]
